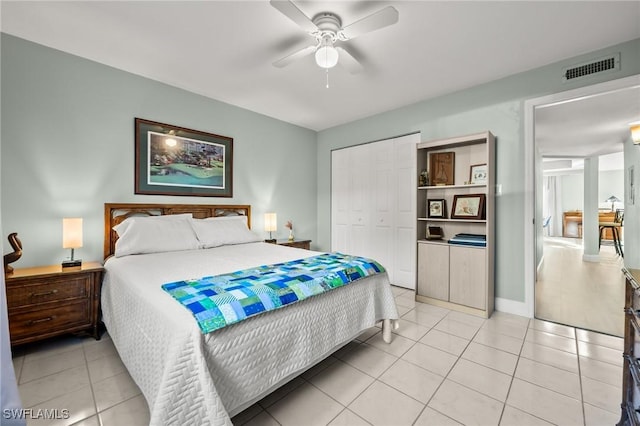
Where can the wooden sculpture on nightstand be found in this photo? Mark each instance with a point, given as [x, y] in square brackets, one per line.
[16, 244]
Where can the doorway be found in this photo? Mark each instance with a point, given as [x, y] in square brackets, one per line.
[537, 253]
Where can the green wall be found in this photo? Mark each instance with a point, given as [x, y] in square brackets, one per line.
[68, 147]
[497, 107]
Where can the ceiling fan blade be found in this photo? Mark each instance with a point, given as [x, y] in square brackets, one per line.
[281, 63]
[348, 61]
[380, 19]
[292, 12]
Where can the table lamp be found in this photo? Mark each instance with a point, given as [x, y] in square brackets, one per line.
[71, 238]
[613, 199]
[270, 225]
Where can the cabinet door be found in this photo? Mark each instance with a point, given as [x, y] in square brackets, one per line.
[467, 271]
[433, 271]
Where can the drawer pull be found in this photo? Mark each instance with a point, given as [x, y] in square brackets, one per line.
[41, 320]
[44, 293]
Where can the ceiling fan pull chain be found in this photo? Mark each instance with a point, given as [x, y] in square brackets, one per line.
[327, 77]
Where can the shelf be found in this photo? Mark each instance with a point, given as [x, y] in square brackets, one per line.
[433, 219]
[446, 243]
[432, 187]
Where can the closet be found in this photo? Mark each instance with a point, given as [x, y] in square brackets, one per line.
[373, 204]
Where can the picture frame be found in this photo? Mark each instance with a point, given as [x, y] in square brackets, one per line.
[437, 208]
[173, 160]
[441, 168]
[478, 174]
[468, 206]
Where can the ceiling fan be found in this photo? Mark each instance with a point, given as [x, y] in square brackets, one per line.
[327, 29]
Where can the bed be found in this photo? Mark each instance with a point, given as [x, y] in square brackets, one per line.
[188, 377]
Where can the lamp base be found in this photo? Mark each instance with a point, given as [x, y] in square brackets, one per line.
[71, 263]
[271, 241]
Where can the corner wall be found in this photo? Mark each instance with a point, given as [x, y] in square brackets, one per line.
[68, 147]
[496, 106]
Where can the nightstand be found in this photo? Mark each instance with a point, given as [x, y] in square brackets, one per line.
[303, 244]
[46, 301]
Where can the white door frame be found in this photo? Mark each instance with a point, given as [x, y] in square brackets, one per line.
[529, 163]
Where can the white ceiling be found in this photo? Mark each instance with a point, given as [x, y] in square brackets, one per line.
[224, 49]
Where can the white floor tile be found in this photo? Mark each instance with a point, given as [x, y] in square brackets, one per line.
[412, 380]
[601, 395]
[544, 403]
[342, 382]
[499, 341]
[381, 405]
[507, 328]
[262, 419]
[547, 376]
[431, 417]
[601, 371]
[39, 367]
[550, 327]
[482, 379]
[457, 328]
[132, 412]
[511, 416]
[600, 353]
[426, 319]
[411, 330]
[612, 342]
[52, 386]
[348, 418]
[546, 355]
[447, 342]
[399, 344]
[105, 367]
[79, 404]
[369, 359]
[307, 405]
[594, 416]
[114, 390]
[432, 359]
[502, 361]
[465, 405]
[552, 340]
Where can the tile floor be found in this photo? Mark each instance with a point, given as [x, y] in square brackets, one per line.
[442, 368]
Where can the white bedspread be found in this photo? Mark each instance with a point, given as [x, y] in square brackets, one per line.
[189, 378]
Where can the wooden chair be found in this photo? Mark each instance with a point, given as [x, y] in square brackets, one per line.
[615, 227]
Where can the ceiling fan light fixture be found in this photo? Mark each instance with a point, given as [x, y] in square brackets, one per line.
[326, 56]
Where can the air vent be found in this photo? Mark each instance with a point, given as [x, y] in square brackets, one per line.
[599, 66]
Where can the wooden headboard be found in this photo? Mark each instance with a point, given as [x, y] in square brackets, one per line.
[114, 213]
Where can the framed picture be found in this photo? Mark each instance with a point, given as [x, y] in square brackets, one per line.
[437, 208]
[172, 160]
[468, 206]
[441, 168]
[478, 174]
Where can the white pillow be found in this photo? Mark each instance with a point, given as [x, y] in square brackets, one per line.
[154, 234]
[220, 231]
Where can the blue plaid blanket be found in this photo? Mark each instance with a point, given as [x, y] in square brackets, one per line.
[226, 299]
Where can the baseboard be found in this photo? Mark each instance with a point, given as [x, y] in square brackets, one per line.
[591, 257]
[512, 307]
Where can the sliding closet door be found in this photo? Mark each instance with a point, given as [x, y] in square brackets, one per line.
[382, 204]
[404, 261]
[340, 201]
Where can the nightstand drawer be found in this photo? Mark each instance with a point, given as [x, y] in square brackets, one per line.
[43, 321]
[54, 289]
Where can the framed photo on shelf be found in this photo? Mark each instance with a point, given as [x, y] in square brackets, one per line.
[478, 174]
[441, 168]
[437, 208]
[468, 206]
[172, 160]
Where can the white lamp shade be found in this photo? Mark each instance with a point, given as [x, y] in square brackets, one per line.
[270, 222]
[72, 232]
[635, 134]
[327, 56]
